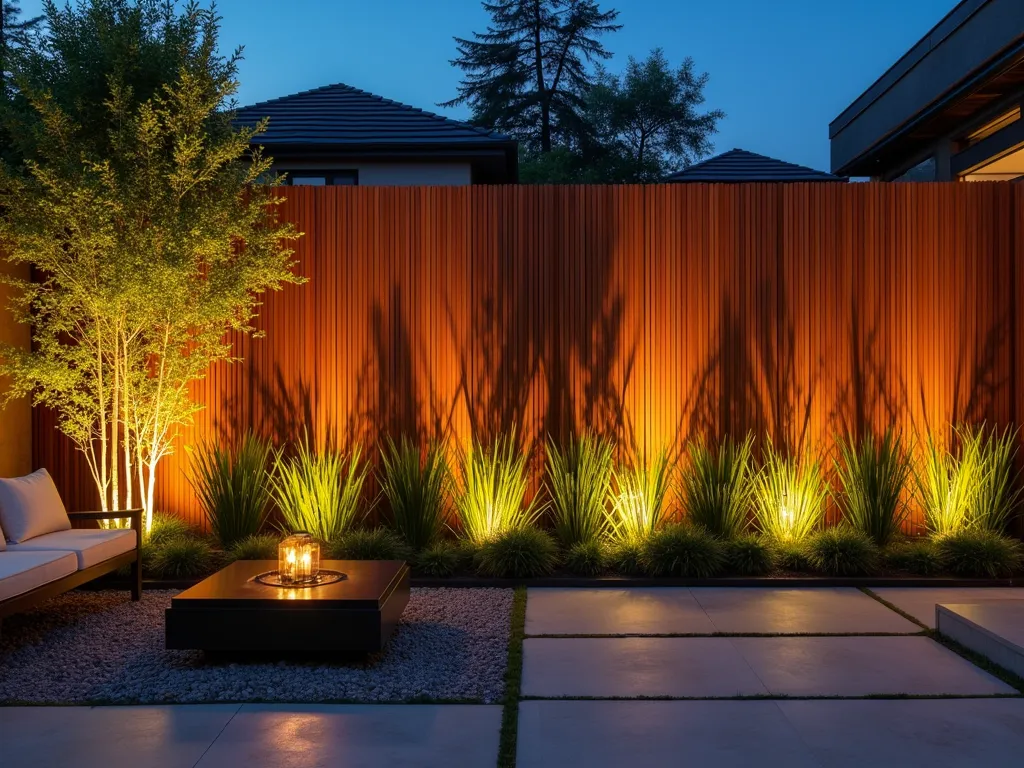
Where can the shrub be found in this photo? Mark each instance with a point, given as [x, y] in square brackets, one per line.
[166, 527]
[640, 499]
[182, 557]
[682, 550]
[977, 552]
[231, 484]
[578, 482]
[749, 555]
[921, 557]
[318, 492]
[626, 557]
[416, 490]
[873, 475]
[997, 492]
[789, 496]
[517, 553]
[715, 488]
[587, 558]
[842, 551]
[791, 555]
[367, 544]
[493, 489]
[260, 546]
[440, 559]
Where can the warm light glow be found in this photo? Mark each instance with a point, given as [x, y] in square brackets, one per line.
[787, 518]
[298, 559]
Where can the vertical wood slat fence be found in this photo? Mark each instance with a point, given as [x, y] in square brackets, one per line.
[650, 314]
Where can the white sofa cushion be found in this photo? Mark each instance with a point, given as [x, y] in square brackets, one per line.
[91, 546]
[30, 506]
[24, 571]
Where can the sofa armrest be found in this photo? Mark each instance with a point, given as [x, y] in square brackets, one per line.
[134, 514]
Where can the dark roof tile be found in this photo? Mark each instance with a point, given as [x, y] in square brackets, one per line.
[738, 165]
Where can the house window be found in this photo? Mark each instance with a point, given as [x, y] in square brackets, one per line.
[992, 126]
[307, 178]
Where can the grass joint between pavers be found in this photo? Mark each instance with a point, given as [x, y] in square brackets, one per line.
[507, 743]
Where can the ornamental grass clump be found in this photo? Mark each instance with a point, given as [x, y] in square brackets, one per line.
[416, 489]
[578, 482]
[978, 552]
[586, 558]
[231, 483]
[260, 546]
[920, 557]
[440, 559]
[639, 503]
[166, 527]
[626, 557]
[997, 492]
[493, 490]
[749, 555]
[319, 491]
[789, 496]
[183, 557]
[682, 550]
[517, 553]
[716, 487]
[842, 551]
[367, 544]
[873, 475]
[947, 486]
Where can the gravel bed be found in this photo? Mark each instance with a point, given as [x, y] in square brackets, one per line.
[99, 647]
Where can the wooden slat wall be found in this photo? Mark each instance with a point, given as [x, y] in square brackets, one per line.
[647, 313]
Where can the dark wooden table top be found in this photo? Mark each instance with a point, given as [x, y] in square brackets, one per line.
[369, 584]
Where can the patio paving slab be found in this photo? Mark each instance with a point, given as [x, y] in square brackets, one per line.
[609, 734]
[920, 602]
[358, 736]
[932, 733]
[738, 610]
[640, 611]
[993, 628]
[862, 666]
[636, 666]
[110, 737]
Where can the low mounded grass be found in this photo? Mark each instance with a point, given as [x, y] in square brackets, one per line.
[716, 487]
[166, 527]
[184, 557]
[791, 555]
[682, 550]
[979, 553]
[625, 557]
[260, 546]
[439, 560]
[368, 544]
[920, 557]
[749, 555]
[586, 558]
[517, 553]
[842, 551]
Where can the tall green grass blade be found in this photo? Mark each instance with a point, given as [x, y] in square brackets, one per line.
[716, 486]
[873, 476]
[416, 489]
[579, 478]
[493, 488]
[997, 491]
[789, 496]
[639, 503]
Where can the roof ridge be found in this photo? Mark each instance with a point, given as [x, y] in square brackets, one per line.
[382, 99]
[683, 173]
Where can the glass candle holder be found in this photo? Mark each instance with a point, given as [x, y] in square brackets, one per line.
[298, 559]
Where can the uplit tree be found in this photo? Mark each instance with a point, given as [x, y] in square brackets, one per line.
[148, 225]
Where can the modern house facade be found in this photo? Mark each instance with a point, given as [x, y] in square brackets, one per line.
[340, 135]
[949, 109]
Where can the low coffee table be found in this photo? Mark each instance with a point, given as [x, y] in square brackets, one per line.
[231, 611]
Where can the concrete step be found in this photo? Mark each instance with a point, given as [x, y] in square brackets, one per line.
[994, 629]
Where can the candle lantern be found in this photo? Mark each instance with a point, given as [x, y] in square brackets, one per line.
[298, 560]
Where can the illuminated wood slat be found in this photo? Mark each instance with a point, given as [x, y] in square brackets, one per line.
[648, 313]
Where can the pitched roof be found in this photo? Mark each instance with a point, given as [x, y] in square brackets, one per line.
[340, 115]
[738, 165]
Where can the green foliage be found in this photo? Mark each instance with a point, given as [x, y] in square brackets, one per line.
[440, 559]
[232, 486]
[979, 552]
[494, 481]
[417, 490]
[791, 555]
[517, 553]
[749, 555]
[873, 476]
[183, 557]
[716, 487]
[626, 557]
[789, 496]
[579, 478]
[683, 550]
[920, 557]
[258, 546]
[639, 503]
[586, 558]
[998, 491]
[318, 491]
[368, 544]
[946, 485]
[148, 217]
[647, 120]
[842, 551]
[167, 527]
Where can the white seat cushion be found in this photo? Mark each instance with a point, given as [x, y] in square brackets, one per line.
[24, 571]
[92, 546]
[30, 506]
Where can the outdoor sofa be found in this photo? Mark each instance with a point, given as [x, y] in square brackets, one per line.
[42, 555]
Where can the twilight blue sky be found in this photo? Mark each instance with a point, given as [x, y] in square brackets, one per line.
[781, 69]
